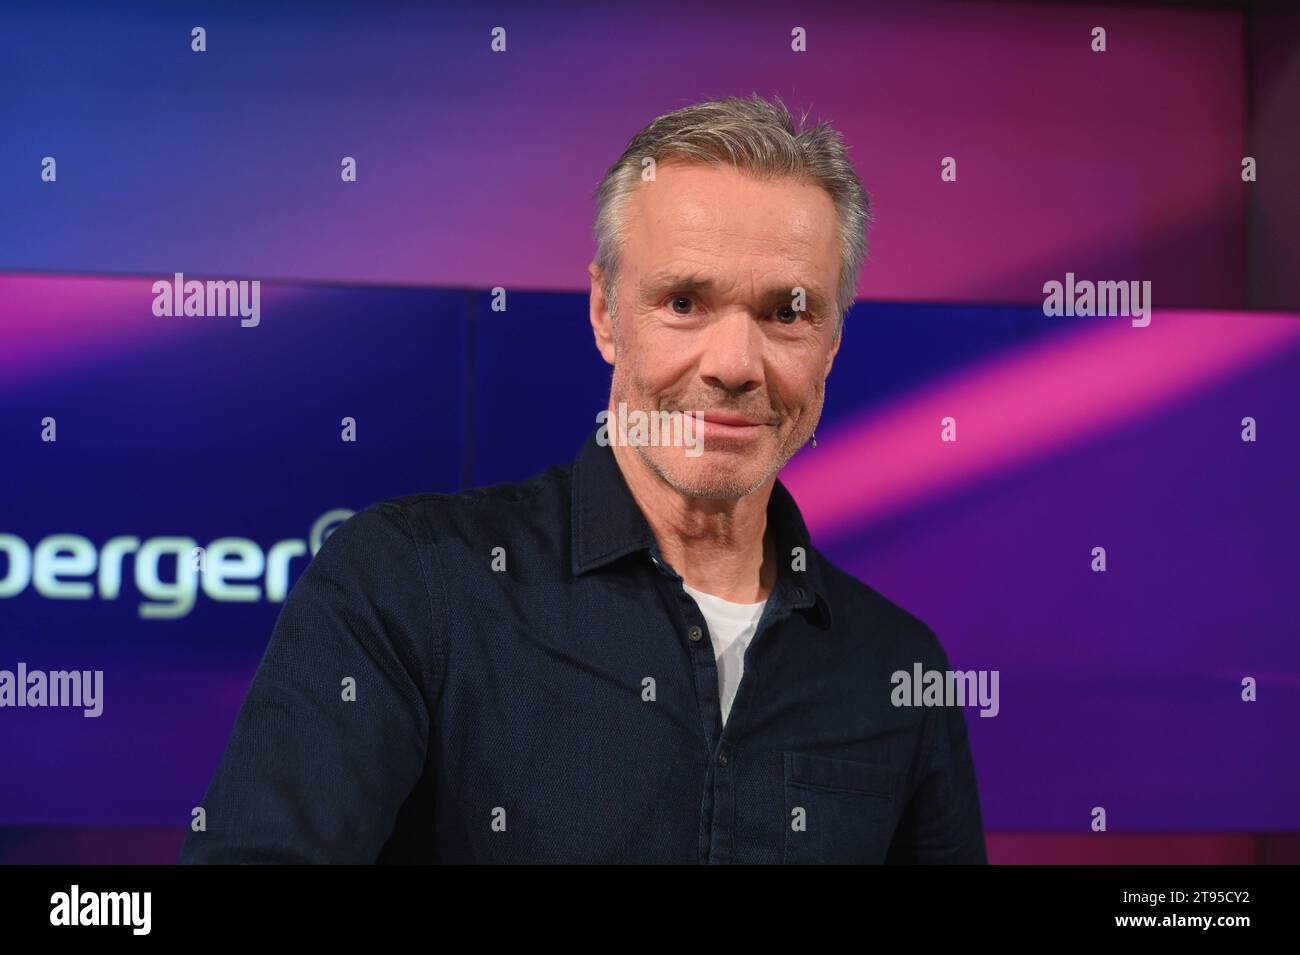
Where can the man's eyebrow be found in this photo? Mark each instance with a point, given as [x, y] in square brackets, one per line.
[661, 282]
[677, 281]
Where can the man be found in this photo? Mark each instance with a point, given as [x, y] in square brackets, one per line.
[638, 657]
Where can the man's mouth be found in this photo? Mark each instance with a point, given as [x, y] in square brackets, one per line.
[721, 424]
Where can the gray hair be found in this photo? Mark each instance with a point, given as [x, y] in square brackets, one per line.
[756, 136]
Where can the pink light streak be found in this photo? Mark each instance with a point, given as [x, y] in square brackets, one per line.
[52, 324]
[1021, 406]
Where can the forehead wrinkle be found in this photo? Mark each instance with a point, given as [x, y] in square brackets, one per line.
[677, 223]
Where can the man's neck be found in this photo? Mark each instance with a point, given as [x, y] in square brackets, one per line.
[718, 546]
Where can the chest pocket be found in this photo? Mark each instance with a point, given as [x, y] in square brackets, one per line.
[837, 811]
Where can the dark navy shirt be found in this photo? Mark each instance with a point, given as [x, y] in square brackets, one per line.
[514, 674]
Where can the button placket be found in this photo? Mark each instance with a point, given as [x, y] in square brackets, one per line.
[704, 665]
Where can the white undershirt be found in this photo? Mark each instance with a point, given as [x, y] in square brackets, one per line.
[731, 627]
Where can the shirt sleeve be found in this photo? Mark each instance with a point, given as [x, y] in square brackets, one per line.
[333, 733]
[941, 822]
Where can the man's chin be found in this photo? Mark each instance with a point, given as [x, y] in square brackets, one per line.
[717, 475]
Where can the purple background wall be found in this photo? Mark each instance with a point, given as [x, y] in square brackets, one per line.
[476, 169]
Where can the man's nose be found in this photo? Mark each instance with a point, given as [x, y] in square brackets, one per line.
[732, 356]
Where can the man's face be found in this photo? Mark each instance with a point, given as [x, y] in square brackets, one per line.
[707, 319]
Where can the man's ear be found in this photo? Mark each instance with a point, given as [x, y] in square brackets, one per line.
[602, 326]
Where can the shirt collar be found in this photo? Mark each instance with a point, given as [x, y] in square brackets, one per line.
[607, 524]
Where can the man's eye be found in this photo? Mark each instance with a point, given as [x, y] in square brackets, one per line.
[683, 301]
[786, 315]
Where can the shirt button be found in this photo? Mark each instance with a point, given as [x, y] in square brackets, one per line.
[722, 760]
[695, 633]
